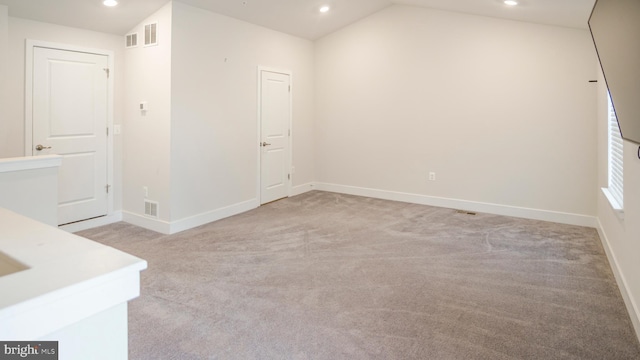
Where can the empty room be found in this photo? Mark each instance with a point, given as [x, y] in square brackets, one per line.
[307, 179]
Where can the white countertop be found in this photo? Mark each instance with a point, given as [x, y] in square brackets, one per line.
[66, 278]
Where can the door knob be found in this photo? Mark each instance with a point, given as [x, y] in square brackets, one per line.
[265, 144]
[40, 147]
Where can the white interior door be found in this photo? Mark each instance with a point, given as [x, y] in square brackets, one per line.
[275, 120]
[70, 100]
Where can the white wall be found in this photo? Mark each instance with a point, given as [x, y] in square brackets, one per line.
[106, 330]
[501, 111]
[147, 144]
[29, 186]
[620, 236]
[32, 193]
[4, 58]
[12, 112]
[214, 128]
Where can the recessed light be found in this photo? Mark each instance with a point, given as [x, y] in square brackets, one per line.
[110, 2]
[511, 2]
[324, 9]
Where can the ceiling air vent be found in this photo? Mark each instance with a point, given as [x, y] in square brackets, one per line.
[131, 40]
[151, 34]
[151, 208]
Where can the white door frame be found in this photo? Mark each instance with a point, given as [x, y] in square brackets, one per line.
[28, 96]
[259, 137]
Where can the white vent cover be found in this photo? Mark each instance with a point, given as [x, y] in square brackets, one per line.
[131, 40]
[151, 208]
[151, 34]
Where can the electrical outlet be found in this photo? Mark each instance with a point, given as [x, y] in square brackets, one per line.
[145, 191]
[293, 169]
[432, 176]
[117, 129]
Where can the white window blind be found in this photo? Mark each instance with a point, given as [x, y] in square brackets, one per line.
[615, 158]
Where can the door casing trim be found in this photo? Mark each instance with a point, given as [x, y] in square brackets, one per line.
[28, 103]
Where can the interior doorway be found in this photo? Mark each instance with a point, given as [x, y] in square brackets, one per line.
[68, 114]
[275, 134]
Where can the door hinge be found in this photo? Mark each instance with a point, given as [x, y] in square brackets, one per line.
[107, 71]
[108, 187]
[289, 132]
[289, 88]
[289, 176]
[107, 131]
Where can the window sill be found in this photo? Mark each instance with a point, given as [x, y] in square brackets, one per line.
[615, 206]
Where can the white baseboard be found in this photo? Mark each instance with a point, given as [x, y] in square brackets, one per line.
[527, 213]
[629, 301]
[211, 216]
[301, 189]
[148, 223]
[92, 223]
[165, 227]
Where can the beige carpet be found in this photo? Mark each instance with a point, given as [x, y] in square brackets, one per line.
[328, 276]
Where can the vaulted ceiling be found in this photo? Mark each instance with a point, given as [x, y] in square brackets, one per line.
[296, 17]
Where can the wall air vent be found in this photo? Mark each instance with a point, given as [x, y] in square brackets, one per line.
[151, 208]
[465, 212]
[151, 34]
[131, 40]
